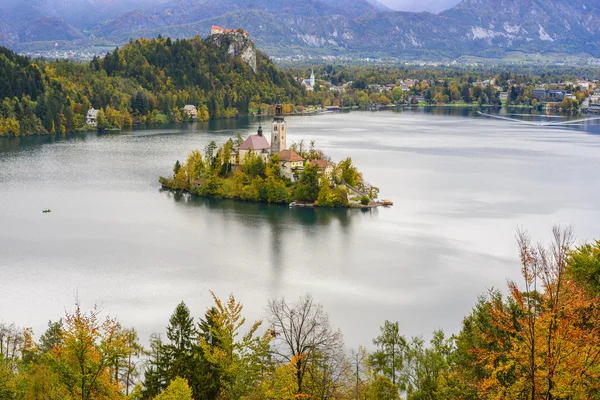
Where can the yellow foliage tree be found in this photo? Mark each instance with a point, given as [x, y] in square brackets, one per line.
[178, 389]
[82, 362]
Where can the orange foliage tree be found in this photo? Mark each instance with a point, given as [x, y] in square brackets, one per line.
[546, 338]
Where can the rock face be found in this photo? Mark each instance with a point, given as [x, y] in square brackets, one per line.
[237, 45]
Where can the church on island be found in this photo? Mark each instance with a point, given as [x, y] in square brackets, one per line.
[290, 161]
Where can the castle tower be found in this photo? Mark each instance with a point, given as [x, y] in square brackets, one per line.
[278, 133]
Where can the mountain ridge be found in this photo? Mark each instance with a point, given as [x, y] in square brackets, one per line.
[479, 28]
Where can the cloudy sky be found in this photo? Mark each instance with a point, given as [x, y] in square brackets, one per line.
[420, 5]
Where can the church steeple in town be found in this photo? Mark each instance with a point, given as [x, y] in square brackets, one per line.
[278, 132]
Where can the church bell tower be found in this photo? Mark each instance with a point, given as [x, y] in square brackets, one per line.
[278, 133]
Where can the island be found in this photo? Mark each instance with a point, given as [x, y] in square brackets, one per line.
[256, 170]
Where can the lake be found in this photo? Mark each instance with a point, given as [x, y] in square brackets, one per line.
[461, 185]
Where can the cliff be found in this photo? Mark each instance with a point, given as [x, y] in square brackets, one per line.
[238, 45]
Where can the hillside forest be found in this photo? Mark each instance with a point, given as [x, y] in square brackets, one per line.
[149, 81]
[539, 338]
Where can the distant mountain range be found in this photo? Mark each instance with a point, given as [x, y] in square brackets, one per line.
[356, 28]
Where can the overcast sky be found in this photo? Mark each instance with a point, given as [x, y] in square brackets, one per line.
[420, 5]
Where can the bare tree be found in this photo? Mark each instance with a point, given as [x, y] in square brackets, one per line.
[302, 332]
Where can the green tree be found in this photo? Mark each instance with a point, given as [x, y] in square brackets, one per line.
[382, 389]
[238, 360]
[307, 188]
[584, 266]
[425, 368]
[391, 350]
[101, 121]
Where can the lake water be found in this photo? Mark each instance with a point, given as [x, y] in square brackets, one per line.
[461, 185]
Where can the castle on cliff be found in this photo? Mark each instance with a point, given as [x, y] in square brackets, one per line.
[217, 30]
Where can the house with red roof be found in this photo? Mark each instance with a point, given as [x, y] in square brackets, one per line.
[290, 162]
[325, 167]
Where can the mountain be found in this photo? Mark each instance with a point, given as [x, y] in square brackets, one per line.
[479, 28]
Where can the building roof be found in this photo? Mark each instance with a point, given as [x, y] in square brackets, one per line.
[289, 155]
[322, 164]
[189, 107]
[255, 142]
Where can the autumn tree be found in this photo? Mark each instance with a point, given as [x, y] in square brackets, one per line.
[552, 349]
[82, 361]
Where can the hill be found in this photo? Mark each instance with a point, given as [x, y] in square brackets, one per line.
[145, 81]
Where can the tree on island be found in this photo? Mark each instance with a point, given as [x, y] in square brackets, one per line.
[307, 188]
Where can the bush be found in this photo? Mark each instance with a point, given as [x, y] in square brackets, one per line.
[364, 200]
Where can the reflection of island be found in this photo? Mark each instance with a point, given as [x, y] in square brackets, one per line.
[256, 170]
[278, 215]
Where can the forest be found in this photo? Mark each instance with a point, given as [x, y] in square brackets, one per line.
[539, 338]
[145, 81]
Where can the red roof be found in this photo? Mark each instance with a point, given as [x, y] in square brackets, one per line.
[322, 164]
[289, 155]
[255, 142]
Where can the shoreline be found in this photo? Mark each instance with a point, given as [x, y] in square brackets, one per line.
[342, 110]
[293, 204]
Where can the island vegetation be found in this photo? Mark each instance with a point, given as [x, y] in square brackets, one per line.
[221, 174]
[539, 341]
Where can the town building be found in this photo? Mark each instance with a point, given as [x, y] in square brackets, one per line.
[554, 95]
[190, 110]
[309, 84]
[325, 167]
[290, 163]
[91, 117]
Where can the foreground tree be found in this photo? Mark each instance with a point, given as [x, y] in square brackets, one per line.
[549, 345]
[178, 389]
[238, 362]
[82, 362]
[302, 333]
[584, 266]
[391, 350]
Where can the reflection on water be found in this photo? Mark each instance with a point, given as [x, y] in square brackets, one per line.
[277, 215]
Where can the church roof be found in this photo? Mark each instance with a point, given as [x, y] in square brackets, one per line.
[255, 142]
[289, 155]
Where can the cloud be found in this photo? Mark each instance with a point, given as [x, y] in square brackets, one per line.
[420, 5]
